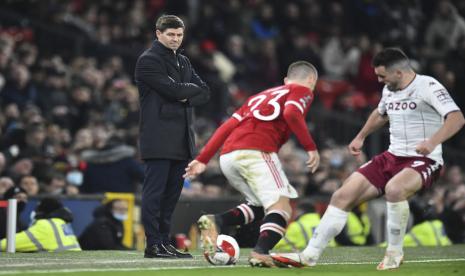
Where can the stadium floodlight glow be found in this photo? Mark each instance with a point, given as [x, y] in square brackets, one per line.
[11, 225]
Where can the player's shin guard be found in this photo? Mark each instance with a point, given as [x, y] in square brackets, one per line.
[271, 231]
[397, 219]
[240, 215]
[331, 225]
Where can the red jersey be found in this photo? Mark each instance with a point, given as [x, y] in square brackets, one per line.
[265, 122]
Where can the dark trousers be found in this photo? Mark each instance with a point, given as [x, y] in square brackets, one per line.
[162, 187]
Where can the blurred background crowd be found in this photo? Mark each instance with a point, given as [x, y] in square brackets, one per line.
[69, 106]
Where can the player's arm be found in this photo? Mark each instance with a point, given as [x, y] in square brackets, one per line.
[452, 124]
[198, 165]
[374, 122]
[293, 115]
[439, 99]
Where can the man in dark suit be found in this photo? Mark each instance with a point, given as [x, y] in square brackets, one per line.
[169, 88]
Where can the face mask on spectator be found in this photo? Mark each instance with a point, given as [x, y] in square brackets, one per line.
[336, 161]
[75, 178]
[57, 191]
[119, 216]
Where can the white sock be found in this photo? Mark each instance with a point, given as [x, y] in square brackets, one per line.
[331, 225]
[397, 219]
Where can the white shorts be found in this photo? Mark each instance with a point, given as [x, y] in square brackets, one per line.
[257, 175]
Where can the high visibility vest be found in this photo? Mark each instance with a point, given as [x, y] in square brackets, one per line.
[427, 233]
[53, 235]
[299, 233]
[358, 228]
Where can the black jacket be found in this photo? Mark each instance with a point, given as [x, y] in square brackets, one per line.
[111, 169]
[104, 232]
[165, 79]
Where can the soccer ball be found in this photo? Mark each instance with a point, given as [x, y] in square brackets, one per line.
[227, 252]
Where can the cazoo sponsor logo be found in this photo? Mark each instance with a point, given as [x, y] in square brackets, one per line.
[401, 106]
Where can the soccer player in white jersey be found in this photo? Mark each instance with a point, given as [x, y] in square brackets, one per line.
[421, 115]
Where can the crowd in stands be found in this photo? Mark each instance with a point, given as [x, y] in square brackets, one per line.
[68, 120]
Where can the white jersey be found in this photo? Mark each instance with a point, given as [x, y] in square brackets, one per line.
[415, 114]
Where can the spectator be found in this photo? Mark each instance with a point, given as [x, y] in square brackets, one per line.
[106, 231]
[339, 55]
[427, 229]
[83, 140]
[453, 215]
[29, 184]
[21, 167]
[57, 185]
[216, 69]
[264, 25]
[444, 32]
[19, 88]
[111, 168]
[5, 184]
[454, 177]
[268, 73]
[455, 64]
[121, 101]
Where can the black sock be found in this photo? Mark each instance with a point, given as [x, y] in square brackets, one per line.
[271, 231]
[240, 215]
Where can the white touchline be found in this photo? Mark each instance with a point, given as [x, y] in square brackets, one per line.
[113, 269]
[411, 261]
[3, 272]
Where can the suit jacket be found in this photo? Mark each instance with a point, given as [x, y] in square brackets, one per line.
[165, 79]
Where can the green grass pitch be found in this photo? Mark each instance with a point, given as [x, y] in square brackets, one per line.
[422, 261]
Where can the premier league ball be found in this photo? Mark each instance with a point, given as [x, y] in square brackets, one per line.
[227, 252]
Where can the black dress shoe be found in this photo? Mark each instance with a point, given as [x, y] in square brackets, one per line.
[158, 251]
[177, 253]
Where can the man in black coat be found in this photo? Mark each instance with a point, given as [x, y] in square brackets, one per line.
[169, 88]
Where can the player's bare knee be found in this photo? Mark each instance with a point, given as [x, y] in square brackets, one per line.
[342, 200]
[282, 204]
[395, 193]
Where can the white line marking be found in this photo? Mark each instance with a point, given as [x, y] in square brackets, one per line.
[186, 267]
[411, 261]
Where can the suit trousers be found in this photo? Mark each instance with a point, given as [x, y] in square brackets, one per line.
[161, 189]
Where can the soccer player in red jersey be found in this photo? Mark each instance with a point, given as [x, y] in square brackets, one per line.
[421, 116]
[251, 139]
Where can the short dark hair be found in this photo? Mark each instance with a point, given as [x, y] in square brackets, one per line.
[389, 57]
[168, 21]
[301, 69]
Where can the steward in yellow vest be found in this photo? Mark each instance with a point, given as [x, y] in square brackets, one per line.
[51, 230]
[299, 233]
[357, 230]
[427, 229]
[427, 233]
